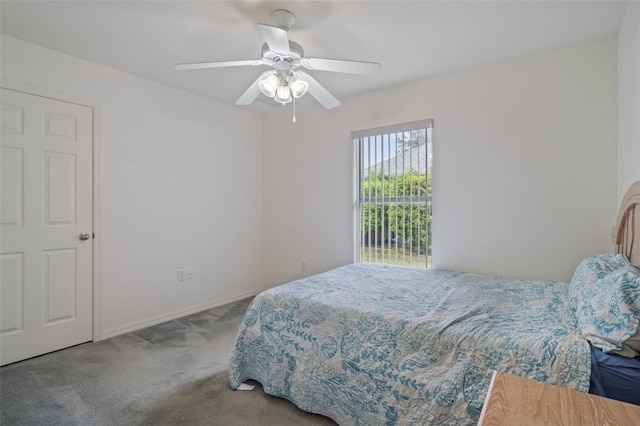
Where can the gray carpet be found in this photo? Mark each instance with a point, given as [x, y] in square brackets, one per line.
[175, 373]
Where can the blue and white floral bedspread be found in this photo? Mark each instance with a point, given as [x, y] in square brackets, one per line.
[370, 344]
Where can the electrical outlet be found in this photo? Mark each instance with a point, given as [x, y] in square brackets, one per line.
[303, 265]
[180, 274]
[189, 273]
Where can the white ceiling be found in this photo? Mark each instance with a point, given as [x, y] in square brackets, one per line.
[411, 39]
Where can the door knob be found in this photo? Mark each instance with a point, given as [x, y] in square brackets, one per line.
[84, 236]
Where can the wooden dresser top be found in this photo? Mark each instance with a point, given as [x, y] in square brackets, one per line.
[513, 400]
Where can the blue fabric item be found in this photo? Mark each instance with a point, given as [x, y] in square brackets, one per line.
[369, 344]
[591, 269]
[614, 376]
[608, 310]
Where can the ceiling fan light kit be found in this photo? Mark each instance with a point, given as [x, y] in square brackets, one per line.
[298, 86]
[286, 82]
[283, 95]
[269, 84]
[282, 86]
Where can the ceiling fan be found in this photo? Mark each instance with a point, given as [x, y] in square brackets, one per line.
[286, 80]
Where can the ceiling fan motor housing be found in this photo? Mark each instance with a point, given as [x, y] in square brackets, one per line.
[297, 52]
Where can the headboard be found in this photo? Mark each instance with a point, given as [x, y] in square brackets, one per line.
[626, 234]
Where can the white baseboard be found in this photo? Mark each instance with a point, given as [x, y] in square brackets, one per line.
[158, 319]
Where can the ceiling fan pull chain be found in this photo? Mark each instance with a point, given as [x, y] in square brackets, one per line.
[294, 110]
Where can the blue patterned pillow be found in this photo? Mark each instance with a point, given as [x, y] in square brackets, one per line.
[608, 311]
[591, 269]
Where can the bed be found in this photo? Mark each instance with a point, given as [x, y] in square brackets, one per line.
[369, 344]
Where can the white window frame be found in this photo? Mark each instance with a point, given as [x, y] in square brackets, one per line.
[373, 138]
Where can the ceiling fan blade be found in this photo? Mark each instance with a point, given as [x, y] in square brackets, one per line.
[250, 94]
[222, 64]
[337, 65]
[316, 90]
[276, 39]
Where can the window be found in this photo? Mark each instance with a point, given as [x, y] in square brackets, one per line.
[393, 193]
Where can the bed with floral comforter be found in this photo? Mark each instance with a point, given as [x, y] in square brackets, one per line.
[370, 344]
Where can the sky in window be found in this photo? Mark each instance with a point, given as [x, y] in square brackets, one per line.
[381, 148]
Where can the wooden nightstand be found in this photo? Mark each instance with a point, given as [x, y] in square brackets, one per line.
[513, 400]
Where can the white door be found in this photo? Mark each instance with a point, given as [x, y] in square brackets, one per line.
[46, 204]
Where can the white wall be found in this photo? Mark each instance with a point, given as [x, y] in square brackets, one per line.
[629, 99]
[178, 187]
[525, 173]
[524, 169]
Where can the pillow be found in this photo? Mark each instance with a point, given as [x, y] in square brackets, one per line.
[631, 347]
[591, 269]
[608, 312]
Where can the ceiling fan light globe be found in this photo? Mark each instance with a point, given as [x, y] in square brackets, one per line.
[269, 85]
[283, 95]
[298, 86]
